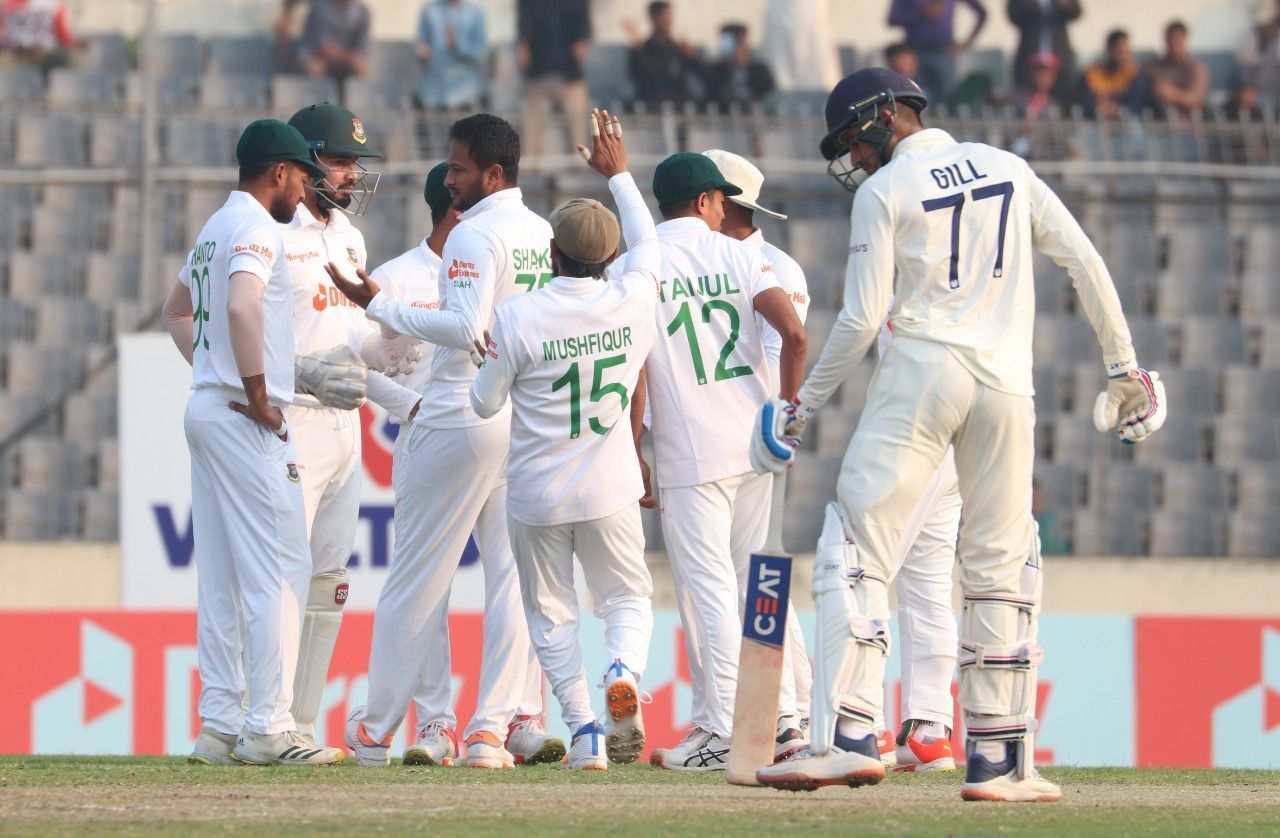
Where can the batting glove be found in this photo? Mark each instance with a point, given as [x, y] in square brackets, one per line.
[336, 376]
[776, 436]
[1133, 405]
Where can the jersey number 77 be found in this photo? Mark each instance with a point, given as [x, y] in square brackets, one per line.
[956, 204]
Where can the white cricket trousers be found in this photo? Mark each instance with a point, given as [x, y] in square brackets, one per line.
[433, 697]
[252, 564]
[611, 552]
[328, 444]
[450, 481]
[921, 401]
[711, 530]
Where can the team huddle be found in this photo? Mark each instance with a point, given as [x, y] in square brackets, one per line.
[525, 360]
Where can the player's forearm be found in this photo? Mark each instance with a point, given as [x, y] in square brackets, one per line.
[791, 364]
[846, 346]
[638, 230]
[638, 399]
[489, 390]
[395, 399]
[245, 325]
[178, 320]
[443, 327]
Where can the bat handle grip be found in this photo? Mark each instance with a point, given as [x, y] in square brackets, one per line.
[773, 541]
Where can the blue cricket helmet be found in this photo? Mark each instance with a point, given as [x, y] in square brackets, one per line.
[852, 115]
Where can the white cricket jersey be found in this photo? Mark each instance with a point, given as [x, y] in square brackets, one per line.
[413, 278]
[322, 316]
[241, 236]
[500, 249]
[707, 372]
[570, 356]
[791, 278]
[943, 234]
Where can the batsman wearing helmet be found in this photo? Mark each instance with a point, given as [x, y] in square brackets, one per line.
[327, 326]
[941, 242]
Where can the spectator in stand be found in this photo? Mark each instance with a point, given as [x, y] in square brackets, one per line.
[454, 51]
[1260, 57]
[1039, 99]
[1052, 540]
[662, 68]
[334, 40]
[738, 78]
[929, 26]
[799, 46]
[1177, 83]
[1042, 27]
[553, 38]
[903, 60]
[35, 32]
[1110, 83]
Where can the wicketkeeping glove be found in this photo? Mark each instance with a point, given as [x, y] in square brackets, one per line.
[1133, 405]
[776, 435]
[391, 356]
[336, 376]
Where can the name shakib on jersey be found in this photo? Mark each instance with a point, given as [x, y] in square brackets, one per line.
[716, 285]
[531, 259]
[563, 349]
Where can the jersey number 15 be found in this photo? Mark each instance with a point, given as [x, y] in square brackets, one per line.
[956, 204]
[598, 391]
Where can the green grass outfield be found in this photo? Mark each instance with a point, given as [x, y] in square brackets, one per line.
[165, 795]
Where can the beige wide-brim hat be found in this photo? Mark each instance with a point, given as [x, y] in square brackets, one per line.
[743, 174]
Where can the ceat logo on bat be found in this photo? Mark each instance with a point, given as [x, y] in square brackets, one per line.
[768, 590]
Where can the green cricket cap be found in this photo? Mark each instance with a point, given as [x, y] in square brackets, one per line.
[435, 193]
[272, 141]
[686, 175]
[332, 129]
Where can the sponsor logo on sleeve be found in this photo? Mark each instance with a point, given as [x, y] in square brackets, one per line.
[260, 249]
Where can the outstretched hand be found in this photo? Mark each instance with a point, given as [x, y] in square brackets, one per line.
[361, 293]
[608, 155]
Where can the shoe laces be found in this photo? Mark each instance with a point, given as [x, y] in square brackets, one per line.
[434, 729]
[696, 737]
[529, 724]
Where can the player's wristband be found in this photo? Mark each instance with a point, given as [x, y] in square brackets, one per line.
[283, 431]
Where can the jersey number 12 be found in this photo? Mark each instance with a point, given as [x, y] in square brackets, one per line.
[956, 204]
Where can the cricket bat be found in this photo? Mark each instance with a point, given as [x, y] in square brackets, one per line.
[764, 635]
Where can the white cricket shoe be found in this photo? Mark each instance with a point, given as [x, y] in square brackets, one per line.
[790, 739]
[587, 749]
[701, 750]
[369, 752]
[850, 762]
[288, 748]
[999, 782]
[624, 724]
[529, 744]
[213, 748]
[484, 750]
[888, 751]
[436, 745]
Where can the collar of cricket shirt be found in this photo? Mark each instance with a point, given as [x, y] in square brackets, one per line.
[682, 226]
[575, 284]
[756, 239]
[502, 196]
[921, 140]
[304, 220]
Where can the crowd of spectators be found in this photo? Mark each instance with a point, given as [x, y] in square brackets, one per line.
[795, 52]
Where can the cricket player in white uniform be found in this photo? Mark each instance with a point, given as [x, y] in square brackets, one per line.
[413, 278]
[922, 560]
[941, 234]
[231, 316]
[706, 376]
[327, 325]
[453, 466]
[569, 357]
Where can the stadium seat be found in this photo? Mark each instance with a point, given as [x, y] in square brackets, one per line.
[61, 321]
[1246, 390]
[16, 321]
[115, 141]
[1072, 439]
[393, 61]
[1114, 485]
[1253, 533]
[852, 394]
[110, 277]
[100, 515]
[129, 316]
[1270, 343]
[107, 53]
[176, 91]
[1052, 285]
[242, 92]
[738, 138]
[1197, 389]
[249, 56]
[89, 417]
[1183, 292]
[1109, 533]
[55, 230]
[1257, 486]
[605, 69]
[49, 463]
[21, 85]
[1187, 532]
[1150, 341]
[1046, 382]
[1182, 439]
[52, 139]
[1194, 486]
[1062, 338]
[38, 516]
[835, 426]
[1239, 440]
[289, 94]
[35, 276]
[848, 59]
[75, 89]
[39, 374]
[1064, 485]
[175, 56]
[363, 96]
[821, 246]
[1210, 341]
